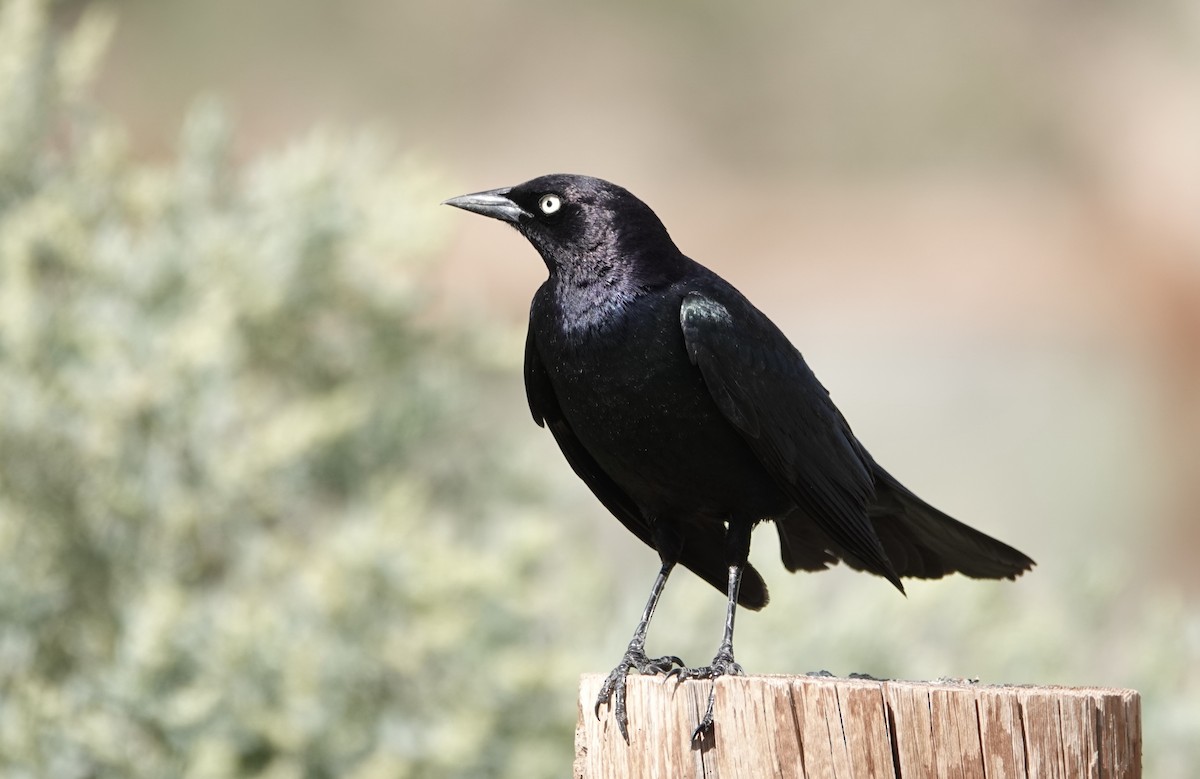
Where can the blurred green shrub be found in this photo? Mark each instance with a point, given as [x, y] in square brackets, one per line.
[261, 514]
[248, 525]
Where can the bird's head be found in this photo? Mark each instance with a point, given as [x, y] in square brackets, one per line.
[578, 223]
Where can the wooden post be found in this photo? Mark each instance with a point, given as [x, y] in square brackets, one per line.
[802, 726]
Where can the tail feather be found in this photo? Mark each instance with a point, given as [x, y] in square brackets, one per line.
[934, 544]
[920, 541]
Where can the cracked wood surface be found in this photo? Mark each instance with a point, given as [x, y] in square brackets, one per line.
[802, 726]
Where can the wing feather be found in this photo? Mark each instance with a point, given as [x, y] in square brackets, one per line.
[762, 385]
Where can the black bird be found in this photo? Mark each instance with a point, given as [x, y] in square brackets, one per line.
[692, 418]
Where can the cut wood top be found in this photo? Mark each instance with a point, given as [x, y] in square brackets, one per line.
[815, 726]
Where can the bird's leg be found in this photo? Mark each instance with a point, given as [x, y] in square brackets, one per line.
[737, 548]
[635, 658]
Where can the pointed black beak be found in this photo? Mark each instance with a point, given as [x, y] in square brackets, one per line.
[494, 203]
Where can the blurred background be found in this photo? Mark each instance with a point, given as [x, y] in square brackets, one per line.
[271, 503]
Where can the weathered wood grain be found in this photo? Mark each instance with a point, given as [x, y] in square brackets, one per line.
[817, 727]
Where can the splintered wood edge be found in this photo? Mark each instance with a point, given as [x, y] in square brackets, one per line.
[816, 725]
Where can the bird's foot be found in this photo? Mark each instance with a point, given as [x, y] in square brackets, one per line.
[613, 690]
[722, 665]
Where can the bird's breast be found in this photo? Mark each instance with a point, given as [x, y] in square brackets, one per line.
[636, 402]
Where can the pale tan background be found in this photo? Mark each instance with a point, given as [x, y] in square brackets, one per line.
[980, 224]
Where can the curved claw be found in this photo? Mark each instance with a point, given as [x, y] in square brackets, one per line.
[667, 664]
[613, 690]
[722, 665]
[719, 667]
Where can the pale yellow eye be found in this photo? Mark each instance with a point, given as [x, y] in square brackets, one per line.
[550, 203]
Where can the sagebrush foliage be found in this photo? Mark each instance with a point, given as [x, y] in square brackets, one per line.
[246, 529]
